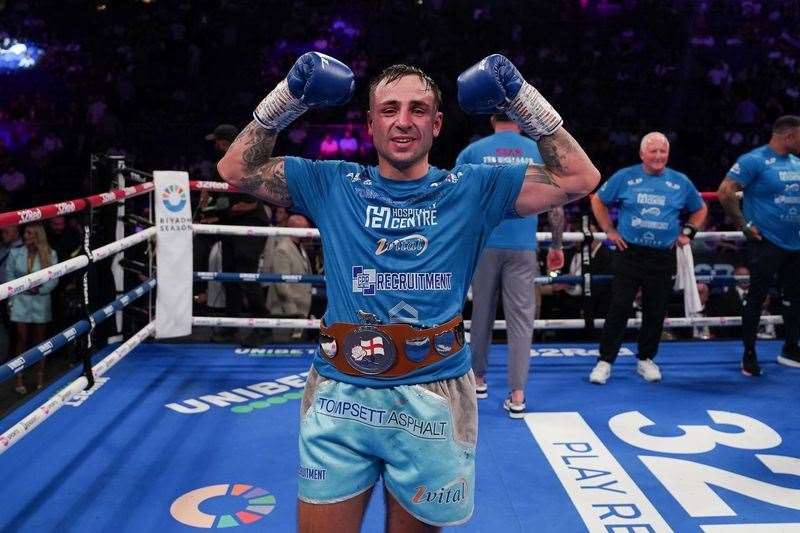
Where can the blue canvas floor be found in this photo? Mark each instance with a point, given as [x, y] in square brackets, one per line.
[215, 427]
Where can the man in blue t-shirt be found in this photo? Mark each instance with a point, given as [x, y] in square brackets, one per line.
[769, 179]
[390, 394]
[509, 263]
[651, 197]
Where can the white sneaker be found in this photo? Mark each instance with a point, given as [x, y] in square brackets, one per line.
[600, 373]
[515, 410]
[648, 370]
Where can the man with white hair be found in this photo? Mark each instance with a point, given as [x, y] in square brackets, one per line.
[651, 197]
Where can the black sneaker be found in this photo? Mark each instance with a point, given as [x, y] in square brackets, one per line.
[790, 355]
[750, 365]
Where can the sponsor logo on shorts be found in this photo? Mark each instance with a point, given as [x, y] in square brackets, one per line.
[637, 222]
[312, 474]
[651, 199]
[368, 281]
[410, 244]
[382, 217]
[453, 492]
[382, 418]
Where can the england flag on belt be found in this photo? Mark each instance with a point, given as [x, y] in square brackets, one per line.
[369, 348]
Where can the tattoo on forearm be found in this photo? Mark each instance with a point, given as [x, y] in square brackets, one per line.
[268, 183]
[259, 144]
[556, 149]
[556, 219]
[730, 203]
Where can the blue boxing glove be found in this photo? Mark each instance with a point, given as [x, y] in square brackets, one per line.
[315, 80]
[488, 86]
[494, 85]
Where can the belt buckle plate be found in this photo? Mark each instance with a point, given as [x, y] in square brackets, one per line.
[369, 350]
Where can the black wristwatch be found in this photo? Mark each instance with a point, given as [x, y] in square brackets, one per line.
[688, 231]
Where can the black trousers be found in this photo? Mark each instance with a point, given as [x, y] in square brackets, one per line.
[765, 261]
[241, 254]
[652, 270]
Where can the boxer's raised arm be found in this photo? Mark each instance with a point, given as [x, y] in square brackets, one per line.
[315, 80]
[494, 85]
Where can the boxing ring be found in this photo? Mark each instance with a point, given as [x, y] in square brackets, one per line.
[184, 437]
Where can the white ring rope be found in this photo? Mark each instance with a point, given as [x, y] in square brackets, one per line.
[567, 323]
[34, 279]
[542, 236]
[122, 244]
[44, 411]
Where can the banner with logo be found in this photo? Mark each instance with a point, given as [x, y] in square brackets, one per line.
[173, 254]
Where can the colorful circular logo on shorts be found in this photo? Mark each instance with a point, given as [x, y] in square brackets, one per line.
[253, 505]
[174, 198]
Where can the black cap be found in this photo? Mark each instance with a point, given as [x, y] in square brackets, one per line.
[224, 132]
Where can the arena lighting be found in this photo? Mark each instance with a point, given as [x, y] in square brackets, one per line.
[16, 55]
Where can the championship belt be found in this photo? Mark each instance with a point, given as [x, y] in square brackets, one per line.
[388, 350]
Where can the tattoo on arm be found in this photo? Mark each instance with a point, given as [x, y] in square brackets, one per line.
[557, 149]
[268, 182]
[258, 145]
[730, 203]
[264, 175]
[556, 219]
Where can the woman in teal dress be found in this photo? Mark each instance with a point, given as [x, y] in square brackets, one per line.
[31, 310]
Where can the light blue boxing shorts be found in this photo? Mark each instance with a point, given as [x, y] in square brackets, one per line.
[420, 438]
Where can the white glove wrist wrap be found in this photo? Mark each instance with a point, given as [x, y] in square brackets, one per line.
[279, 108]
[532, 113]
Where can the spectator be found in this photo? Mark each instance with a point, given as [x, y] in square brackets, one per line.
[288, 300]
[9, 241]
[31, 311]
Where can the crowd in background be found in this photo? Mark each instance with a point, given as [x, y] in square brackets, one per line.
[150, 79]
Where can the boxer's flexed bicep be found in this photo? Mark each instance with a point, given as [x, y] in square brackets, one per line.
[550, 185]
[249, 166]
[315, 80]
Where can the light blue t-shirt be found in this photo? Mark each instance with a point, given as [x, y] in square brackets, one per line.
[507, 148]
[402, 250]
[649, 205]
[771, 185]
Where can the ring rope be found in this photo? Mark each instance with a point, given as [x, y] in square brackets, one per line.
[569, 323]
[34, 279]
[43, 212]
[46, 410]
[79, 328]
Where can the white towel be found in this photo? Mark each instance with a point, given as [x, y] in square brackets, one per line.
[685, 280]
